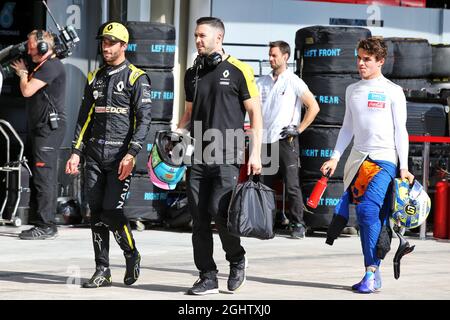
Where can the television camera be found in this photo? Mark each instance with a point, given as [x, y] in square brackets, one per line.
[65, 42]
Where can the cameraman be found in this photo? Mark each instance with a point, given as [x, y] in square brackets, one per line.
[44, 86]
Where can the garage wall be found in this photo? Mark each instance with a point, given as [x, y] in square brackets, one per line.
[83, 59]
[260, 21]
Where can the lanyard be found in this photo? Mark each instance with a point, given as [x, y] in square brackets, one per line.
[39, 65]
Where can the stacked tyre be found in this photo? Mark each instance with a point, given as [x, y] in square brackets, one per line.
[316, 146]
[440, 68]
[411, 69]
[326, 61]
[151, 48]
[410, 65]
[420, 69]
[440, 73]
[430, 116]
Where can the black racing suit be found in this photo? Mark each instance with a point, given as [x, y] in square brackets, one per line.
[114, 119]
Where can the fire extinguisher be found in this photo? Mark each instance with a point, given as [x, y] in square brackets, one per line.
[318, 191]
[448, 211]
[440, 210]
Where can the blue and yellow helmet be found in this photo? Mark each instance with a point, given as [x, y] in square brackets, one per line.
[411, 204]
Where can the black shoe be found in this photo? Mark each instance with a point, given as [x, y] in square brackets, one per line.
[39, 233]
[133, 262]
[207, 283]
[237, 276]
[298, 231]
[101, 278]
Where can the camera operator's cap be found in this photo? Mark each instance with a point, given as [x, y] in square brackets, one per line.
[114, 31]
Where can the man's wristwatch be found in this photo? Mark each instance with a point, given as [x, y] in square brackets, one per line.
[22, 73]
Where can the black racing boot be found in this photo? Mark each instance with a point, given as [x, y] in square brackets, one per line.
[133, 262]
[101, 278]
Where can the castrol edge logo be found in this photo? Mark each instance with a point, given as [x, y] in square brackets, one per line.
[117, 110]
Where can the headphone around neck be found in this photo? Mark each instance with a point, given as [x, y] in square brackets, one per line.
[208, 62]
[42, 46]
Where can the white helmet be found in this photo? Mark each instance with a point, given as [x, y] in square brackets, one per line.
[411, 204]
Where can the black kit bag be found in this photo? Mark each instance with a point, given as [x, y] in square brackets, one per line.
[252, 210]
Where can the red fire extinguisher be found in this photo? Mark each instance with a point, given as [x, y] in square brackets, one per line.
[448, 211]
[440, 210]
[318, 191]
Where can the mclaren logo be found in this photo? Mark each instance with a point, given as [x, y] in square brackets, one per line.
[117, 110]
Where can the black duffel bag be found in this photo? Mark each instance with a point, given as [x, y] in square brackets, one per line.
[252, 210]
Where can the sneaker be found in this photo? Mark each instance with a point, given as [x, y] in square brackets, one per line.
[133, 262]
[298, 231]
[367, 284]
[101, 278]
[39, 233]
[205, 284]
[376, 286]
[237, 276]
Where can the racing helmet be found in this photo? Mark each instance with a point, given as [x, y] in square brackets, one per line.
[165, 164]
[411, 204]
[68, 211]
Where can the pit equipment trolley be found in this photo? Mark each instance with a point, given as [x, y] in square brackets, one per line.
[12, 178]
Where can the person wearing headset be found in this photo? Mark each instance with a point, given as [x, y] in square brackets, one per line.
[219, 91]
[44, 86]
[113, 121]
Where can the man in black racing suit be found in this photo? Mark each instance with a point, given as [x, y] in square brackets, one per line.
[113, 122]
